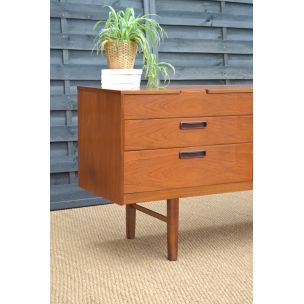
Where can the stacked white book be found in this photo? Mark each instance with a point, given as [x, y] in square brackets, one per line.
[121, 79]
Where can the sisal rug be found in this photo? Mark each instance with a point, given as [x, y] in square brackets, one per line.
[92, 262]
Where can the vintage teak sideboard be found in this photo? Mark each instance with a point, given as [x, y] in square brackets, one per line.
[145, 145]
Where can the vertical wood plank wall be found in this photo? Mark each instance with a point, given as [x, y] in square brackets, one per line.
[209, 42]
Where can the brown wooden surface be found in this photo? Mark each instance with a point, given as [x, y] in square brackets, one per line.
[187, 104]
[144, 91]
[150, 212]
[163, 169]
[132, 198]
[130, 221]
[174, 89]
[100, 131]
[166, 133]
[130, 143]
[172, 228]
[229, 89]
[157, 174]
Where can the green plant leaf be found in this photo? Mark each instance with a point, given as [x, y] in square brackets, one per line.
[145, 31]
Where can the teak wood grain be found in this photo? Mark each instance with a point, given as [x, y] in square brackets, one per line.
[130, 221]
[130, 198]
[150, 170]
[173, 89]
[187, 104]
[100, 143]
[145, 145]
[172, 228]
[167, 133]
[129, 138]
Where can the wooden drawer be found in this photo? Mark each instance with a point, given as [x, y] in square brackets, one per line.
[151, 170]
[185, 132]
[129, 142]
[187, 104]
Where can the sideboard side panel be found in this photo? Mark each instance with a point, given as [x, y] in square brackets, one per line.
[100, 142]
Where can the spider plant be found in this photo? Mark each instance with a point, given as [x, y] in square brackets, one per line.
[153, 70]
[144, 31]
[124, 25]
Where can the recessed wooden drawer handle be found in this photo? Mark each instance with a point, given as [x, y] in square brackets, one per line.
[193, 125]
[192, 154]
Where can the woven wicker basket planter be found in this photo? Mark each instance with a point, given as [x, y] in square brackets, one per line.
[120, 54]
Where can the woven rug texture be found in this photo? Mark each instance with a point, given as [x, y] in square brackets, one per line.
[92, 261]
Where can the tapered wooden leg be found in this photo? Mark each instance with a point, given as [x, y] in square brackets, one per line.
[130, 221]
[172, 228]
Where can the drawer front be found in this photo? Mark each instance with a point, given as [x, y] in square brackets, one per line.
[187, 104]
[185, 132]
[151, 170]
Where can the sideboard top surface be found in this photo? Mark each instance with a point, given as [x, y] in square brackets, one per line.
[208, 89]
